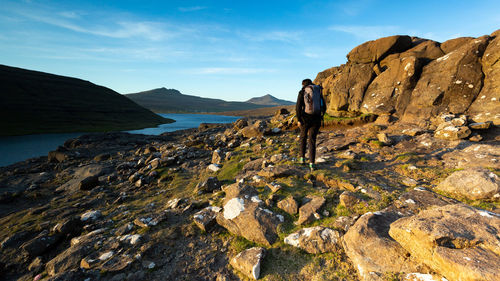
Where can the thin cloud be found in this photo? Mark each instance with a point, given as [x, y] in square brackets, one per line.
[280, 36]
[125, 29]
[191, 9]
[367, 32]
[231, 70]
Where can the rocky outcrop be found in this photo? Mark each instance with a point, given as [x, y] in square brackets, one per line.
[416, 79]
[373, 251]
[458, 241]
[472, 183]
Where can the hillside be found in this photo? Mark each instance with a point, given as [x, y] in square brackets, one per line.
[269, 100]
[172, 101]
[35, 102]
[417, 79]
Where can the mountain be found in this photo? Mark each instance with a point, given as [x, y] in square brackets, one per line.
[269, 100]
[417, 79]
[170, 100]
[33, 102]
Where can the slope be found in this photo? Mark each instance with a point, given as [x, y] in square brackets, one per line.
[36, 102]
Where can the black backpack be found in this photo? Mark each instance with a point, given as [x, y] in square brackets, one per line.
[312, 99]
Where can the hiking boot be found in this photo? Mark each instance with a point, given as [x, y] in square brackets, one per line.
[302, 161]
[312, 167]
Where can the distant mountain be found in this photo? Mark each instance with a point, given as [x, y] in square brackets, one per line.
[36, 102]
[170, 100]
[269, 100]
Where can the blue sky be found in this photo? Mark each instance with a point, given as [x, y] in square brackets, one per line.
[233, 50]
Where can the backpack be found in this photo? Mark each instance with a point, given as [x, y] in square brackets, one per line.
[312, 99]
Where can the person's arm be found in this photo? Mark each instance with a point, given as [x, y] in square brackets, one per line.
[299, 106]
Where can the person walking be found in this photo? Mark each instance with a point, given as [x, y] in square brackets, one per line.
[310, 108]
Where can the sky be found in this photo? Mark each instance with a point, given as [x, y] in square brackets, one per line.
[232, 50]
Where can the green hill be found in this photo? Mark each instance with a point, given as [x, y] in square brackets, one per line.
[172, 101]
[36, 102]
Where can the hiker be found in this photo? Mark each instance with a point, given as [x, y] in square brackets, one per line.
[310, 108]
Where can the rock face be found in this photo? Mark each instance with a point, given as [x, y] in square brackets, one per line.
[416, 79]
[472, 183]
[373, 251]
[314, 240]
[458, 241]
[246, 216]
[248, 262]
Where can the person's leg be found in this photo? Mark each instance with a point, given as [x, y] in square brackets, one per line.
[303, 141]
[312, 134]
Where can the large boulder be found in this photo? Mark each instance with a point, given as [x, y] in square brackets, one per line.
[376, 50]
[309, 211]
[486, 107]
[314, 240]
[346, 90]
[246, 216]
[457, 241]
[69, 259]
[449, 83]
[472, 183]
[373, 252]
[391, 90]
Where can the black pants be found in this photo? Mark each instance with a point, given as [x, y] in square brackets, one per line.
[308, 132]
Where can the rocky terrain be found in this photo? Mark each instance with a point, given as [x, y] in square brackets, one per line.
[388, 201]
[33, 102]
[409, 191]
[416, 79]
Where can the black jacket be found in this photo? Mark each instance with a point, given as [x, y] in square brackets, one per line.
[300, 107]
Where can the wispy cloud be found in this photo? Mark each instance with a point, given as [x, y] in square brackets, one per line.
[191, 9]
[153, 31]
[231, 70]
[281, 36]
[367, 32]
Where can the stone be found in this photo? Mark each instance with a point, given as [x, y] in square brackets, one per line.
[249, 261]
[418, 199]
[315, 240]
[309, 211]
[132, 239]
[218, 156]
[70, 227]
[209, 185]
[289, 205]
[213, 167]
[472, 183]
[81, 173]
[155, 163]
[17, 239]
[476, 155]
[476, 138]
[69, 259]
[456, 241]
[245, 217]
[206, 218]
[58, 156]
[373, 252]
[91, 216]
[36, 265]
[447, 131]
[376, 50]
[382, 137]
[240, 124]
[348, 199]
[274, 186]
[124, 229]
[344, 222]
[449, 83]
[40, 244]
[486, 106]
[88, 183]
[481, 125]
[102, 157]
[274, 172]
[256, 130]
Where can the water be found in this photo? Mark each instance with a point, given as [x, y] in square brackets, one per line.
[18, 148]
